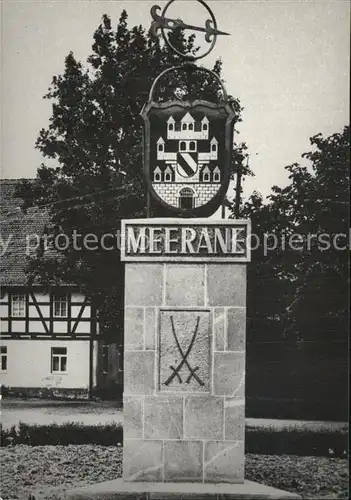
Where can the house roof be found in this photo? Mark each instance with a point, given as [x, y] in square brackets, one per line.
[18, 231]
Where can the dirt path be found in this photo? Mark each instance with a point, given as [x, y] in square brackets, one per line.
[43, 412]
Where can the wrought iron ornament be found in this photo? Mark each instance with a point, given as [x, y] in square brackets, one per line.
[162, 23]
[187, 144]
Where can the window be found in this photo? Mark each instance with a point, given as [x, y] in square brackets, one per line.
[120, 358]
[214, 147]
[206, 177]
[3, 361]
[204, 126]
[18, 305]
[168, 177]
[157, 177]
[192, 146]
[104, 359]
[160, 147]
[182, 146]
[186, 198]
[60, 306]
[191, 126]
[216, 177]
[58, 359]
[170, 126]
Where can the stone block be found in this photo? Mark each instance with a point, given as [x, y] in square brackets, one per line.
[183, 461]
[203, 417]
[133, 417]
[224, 462]
[184, 367]
[234, 419]
[236, 329]
[139, 372]
[150, 328]
[185, 285]
[226, 285]
[142, 460]
[143, 284]
[133, 328]
[219, 328]
[163, 417]
[229, 374]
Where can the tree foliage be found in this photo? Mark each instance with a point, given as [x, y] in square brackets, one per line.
[92, 175]
[301, 289]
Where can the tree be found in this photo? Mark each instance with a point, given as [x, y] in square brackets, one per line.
[303, 287]
[92, 177]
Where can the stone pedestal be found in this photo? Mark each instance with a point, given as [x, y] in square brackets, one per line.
[184, 371]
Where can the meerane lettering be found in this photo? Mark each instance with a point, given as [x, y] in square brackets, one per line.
[185, 241]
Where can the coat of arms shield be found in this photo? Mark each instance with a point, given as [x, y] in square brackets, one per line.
[187, 152]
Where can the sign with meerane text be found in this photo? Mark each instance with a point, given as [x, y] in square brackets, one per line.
[199, 240]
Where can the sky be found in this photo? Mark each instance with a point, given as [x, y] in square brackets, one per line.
[287, 62]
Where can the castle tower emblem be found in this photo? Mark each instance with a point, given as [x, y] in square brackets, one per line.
[187, 154]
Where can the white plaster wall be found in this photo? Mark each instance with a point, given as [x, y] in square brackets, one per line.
[41, 297]
[45, 311]
[4, 328]
[75, 310]
[77, 297]
[29, 364]
[4, 310]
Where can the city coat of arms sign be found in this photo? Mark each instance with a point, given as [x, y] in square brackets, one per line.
[187, 154]
[188, 143]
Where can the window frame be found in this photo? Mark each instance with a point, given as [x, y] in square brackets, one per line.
[104, 358]
[57, 298]
[3, 356]
[14, 312]
[120, 358]
[60, 357]
[216, 177]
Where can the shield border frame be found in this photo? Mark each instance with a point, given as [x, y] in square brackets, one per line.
[211, 206]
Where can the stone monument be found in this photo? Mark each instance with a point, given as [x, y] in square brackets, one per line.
[184, 361]
[185, 306]
[185, 293]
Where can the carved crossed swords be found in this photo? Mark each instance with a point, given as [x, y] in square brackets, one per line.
[160, 22]
[184, 360]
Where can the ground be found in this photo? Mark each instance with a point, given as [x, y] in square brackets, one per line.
[46, 471]
[43, 412]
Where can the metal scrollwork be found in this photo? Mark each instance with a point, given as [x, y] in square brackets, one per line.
[161, 23]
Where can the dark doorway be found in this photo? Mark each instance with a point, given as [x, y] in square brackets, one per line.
[186, 198]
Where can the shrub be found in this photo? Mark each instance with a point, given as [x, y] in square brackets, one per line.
[293, 441]
[70, 433]
[268, 441]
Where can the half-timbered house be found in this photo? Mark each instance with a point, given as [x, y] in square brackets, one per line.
[50, 339]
